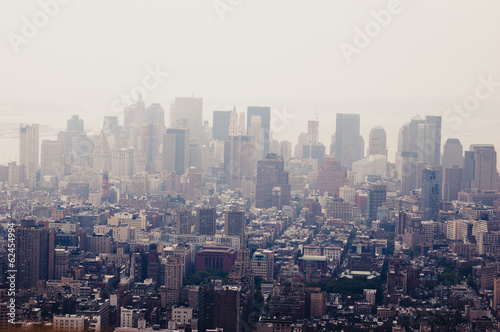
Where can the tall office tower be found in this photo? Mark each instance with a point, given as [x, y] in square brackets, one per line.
[468, 170]
[331, 177]
[314, 152]
[242, 128]
[496, 294]
[147, 146]
[431, 192]
[34, 255]
[485, 167]
[221, 125]
[17, 174]
[227, 314]
[184, 221]
[452, 153]
[239, 160]
[313, 132]
[102, 154]
[235, 123]
[172, 272]
[28, 151]
[422, 136]
[286, 149]
[61, 263]
[122, 162]
[370, 169]
[176, 150]
[272, 188]
[452, 183]
[265, 116]
[407, 171]
[432, 139]
[377, 196]
[347, 139]
[299, 148]
[75, 125]
[206, 218]
[257, 132]
[105, 187]
[196, 154]
[152, 134]
[194, 185]
[136, 117]
[377, 142]
[52, 159]
[234, 222]
[187, 113]
[332, 145]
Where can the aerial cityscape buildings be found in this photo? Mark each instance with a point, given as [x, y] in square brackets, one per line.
[145, 226]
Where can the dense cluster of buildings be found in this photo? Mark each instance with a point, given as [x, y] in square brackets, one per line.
[192, 227]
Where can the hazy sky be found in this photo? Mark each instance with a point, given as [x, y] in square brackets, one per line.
[279, 53]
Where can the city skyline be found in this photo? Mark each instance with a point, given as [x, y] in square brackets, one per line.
[249, 166]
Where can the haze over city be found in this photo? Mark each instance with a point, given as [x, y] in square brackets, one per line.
[237, 166]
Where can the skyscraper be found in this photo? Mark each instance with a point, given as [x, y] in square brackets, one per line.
[239, 160]
[205, 220]
[102, 154]
[496, 294]
[347, 139]
[485, 167]
[452, 153]
[313, 132]
[265, 116]
[122, 162]
[35, 254]
[452, 183]
[28, 151]
[331, 177]
[468, 170]
[234, 222]
[52, 159]
[176, 150]
[377, 141]
[227, 308]
[221, 122]
[377, 195]
[422, 136]
[194, 185]
[407, 171]
[257, 132]
[186, 112]
[431, 192]
[184, 221]
[172, 269]
[75, 125]
[272, 188]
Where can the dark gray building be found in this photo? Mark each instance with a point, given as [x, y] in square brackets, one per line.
[222, 120]
[348, 143]
[176, 150]
[431, 192]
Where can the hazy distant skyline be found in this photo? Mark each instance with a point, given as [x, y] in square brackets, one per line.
[265, 53]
